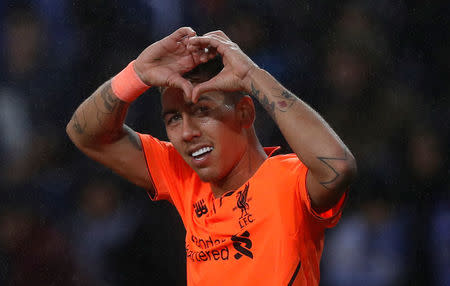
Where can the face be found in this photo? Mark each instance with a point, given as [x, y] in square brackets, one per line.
[208, 134]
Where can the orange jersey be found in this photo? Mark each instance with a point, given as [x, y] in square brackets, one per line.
[264, 233]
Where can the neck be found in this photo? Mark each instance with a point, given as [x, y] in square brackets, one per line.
[250, 162]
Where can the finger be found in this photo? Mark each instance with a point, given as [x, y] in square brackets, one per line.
[212, 54]
[201, 49]
[219, 33]
[210, 85]
[210, 51]
[222, 39]
[184, 32]
[202, 55]
[204, 58]
[211, 40]
[185, 40]
[199, 57]
[198, 47]
[202, 42]
[208, 55]
[177, 81]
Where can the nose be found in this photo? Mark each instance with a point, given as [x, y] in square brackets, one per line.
[190, 129]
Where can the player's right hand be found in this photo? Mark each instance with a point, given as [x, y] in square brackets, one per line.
[164, 62]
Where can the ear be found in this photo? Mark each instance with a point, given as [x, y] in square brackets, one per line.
[246, 111]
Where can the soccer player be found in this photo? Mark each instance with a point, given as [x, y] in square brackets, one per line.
[250, 218]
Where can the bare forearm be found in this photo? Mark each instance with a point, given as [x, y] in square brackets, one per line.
[99, 119]
[309, 136]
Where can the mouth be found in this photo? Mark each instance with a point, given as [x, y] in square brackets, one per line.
[200, 154]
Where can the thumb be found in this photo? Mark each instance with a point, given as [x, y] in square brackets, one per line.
[210, 85]
[177, 81]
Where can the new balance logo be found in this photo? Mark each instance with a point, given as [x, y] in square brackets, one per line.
[242, 244]
[200, 208]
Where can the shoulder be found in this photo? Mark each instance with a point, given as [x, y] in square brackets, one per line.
[164, 163]
[149, 141]
[162, 150]
[284, 169]
[285, 161]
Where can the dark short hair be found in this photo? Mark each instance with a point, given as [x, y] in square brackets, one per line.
[201, 73]
[205, 71]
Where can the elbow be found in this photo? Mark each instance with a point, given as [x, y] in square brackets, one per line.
[348, 171]
[352, 169]
[75, 135]
[340, 174]
[68, 129]
[71, 133]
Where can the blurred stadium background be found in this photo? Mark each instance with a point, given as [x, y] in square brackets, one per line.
[377, 70]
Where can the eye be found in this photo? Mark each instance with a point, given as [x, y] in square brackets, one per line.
[202, 110]
[173, 118]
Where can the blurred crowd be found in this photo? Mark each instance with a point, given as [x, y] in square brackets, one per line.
[378, 71]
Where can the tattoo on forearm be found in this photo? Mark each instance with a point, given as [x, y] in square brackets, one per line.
[264, 100]
[107, 109]
[108, 105]
[255, 92]
[286, 100]
[109, 101]
[282, 102]
[328, 162]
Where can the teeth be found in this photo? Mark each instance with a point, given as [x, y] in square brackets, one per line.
[202, 151]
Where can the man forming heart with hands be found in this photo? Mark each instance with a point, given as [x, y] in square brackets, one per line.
[251, 218]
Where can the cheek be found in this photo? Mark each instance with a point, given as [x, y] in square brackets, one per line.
[223, 134]
[232, 140]
[223, 123]
[174, 137]
[232, 132]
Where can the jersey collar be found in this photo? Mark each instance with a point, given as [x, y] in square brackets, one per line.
[270, 150]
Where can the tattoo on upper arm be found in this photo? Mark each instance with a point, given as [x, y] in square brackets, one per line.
[282, 102]
[328, 162]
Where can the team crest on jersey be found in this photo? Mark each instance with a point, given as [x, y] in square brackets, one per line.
[243, 205]
[200, 208]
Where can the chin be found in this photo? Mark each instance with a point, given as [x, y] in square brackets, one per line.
[207, 175]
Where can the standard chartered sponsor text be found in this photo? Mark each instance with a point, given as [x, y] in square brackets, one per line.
[212, 250]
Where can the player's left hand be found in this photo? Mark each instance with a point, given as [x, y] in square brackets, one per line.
[237, 65]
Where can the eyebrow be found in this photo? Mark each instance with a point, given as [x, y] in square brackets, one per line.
[204, 97]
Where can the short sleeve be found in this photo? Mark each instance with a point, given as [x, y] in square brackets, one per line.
[327, 219]
[165, 166]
